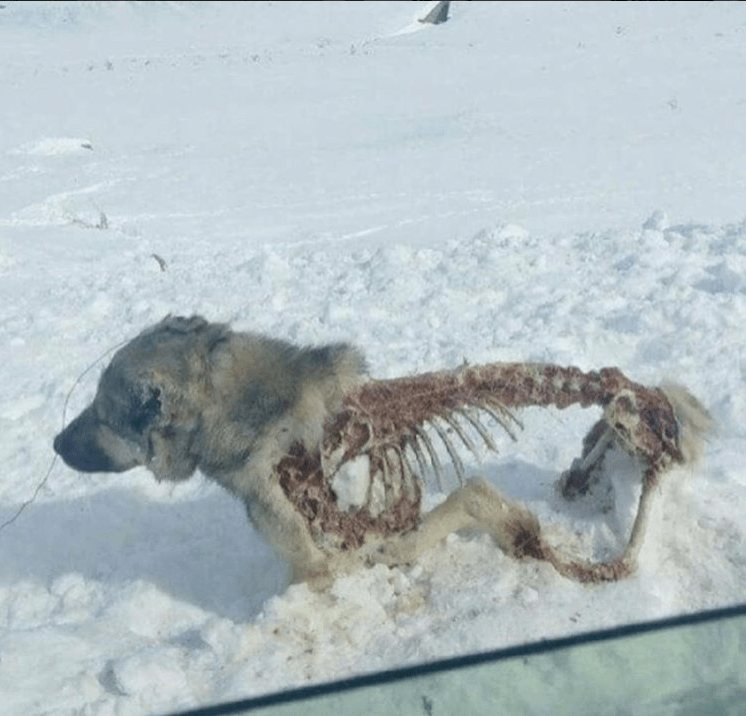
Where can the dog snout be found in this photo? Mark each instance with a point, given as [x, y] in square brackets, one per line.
[79, 447]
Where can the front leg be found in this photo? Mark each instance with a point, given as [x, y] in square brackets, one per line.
[287, 532]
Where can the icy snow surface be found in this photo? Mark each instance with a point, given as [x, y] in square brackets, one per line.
[560, 182]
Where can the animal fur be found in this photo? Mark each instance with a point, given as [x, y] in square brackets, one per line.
[278, 425]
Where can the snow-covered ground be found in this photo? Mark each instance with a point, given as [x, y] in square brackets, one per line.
[561, 182]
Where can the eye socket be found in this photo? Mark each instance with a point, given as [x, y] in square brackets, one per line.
[146, 410]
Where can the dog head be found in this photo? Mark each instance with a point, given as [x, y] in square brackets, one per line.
[145, 411]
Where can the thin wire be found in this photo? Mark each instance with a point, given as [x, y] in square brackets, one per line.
[41, 485]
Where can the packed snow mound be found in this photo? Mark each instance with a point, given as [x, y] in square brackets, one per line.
[54, 146]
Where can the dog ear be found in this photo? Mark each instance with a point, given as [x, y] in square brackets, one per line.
[209, 333]
[180, 324]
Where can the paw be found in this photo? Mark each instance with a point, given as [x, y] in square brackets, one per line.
[320, 581]
[397, 551]
[317, 575]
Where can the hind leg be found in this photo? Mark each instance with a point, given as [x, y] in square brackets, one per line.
[585, 471]
[475, 505]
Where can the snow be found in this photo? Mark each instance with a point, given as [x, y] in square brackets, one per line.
[560, 182]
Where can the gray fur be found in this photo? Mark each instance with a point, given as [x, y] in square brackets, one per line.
[187, 394]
